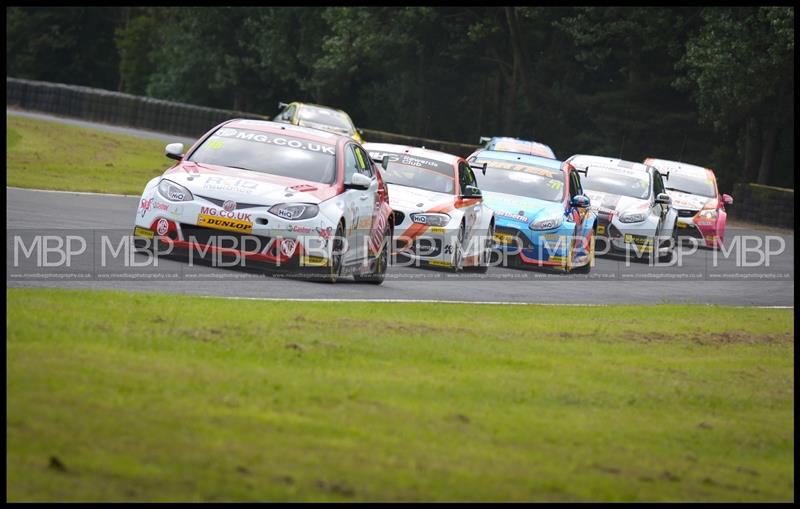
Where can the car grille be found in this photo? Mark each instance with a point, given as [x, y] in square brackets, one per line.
[427, 246]
[239, 206]
[686, 213]
[399, 217]
[235, 240]
[690, 231]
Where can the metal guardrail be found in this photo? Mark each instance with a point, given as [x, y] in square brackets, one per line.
[166, 116]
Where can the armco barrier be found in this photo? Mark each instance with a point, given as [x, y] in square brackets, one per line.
[166, 116]
[763, 204]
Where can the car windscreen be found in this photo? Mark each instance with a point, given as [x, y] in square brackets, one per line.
[691, 184]
[635, 184]
[266, 153]
[419, 172]
[521, 180]
[310, 115]
[524, 147]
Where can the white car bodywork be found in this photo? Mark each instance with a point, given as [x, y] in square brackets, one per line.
[437, 245]
[635, 238]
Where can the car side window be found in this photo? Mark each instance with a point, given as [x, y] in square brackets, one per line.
[350, 163]
[364, 163]
[658, 184]
[574, 184]
[465, 178]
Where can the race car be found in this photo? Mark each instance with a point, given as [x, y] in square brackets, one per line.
[441, 219]
[272, 195]
[506, 144]
[318, 117]
[694, 193]
[634, 212]
[543, 217]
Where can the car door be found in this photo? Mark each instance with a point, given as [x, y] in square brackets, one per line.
[358, 208]
[471, 207]
[575, 214]
[660, 209]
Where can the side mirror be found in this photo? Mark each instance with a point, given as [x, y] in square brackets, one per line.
[581, 201]
[174, 151]
[385, 162]
[359, 181]
[727, 199]
[359, 131]
[473, 192]
[664, 198]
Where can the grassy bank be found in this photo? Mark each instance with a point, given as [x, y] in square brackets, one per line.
[129, 396]
[45, 154]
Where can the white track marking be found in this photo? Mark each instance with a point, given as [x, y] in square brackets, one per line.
[70, 192]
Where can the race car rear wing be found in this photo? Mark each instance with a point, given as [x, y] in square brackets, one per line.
[484, 139]
[481, 167]
[664, 173]
[584, 170]
[383, 160]
[282, 105]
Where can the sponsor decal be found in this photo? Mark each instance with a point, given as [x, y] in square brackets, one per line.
[325, 233]
[440, 263]
[314, 261]
[503, 238]
[242, 186]
[512, 216]
[221, 223]
[143, 232]
[163, 227]
[643, 242]
[557, 259]
[269, 139]
[551, 236]
[601, 229]
[436, 229]
[364, 223]
[288, 246]
[229, 206]
[241, 216]
[300, 229]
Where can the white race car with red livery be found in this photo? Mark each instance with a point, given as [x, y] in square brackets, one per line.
[700, 206]
[441, 219]
[273, 195]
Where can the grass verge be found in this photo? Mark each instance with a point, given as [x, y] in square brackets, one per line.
[44, 154]
[133, 396]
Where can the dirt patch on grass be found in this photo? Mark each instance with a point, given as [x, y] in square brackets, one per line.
[733, 337]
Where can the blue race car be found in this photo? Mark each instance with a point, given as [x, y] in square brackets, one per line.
[506, 144]
[542, 216]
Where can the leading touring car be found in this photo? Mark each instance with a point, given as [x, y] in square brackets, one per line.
[284, 196]
[318, 117]
[634, 213]
[543, 217]
[516, 145]
[700, 206]
[440, 216]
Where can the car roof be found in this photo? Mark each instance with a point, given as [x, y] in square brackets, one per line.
[427, 153]
[524, 146]
[607, 162]
[280, 128]
[678, 167]
[323, 107]
[546, 162]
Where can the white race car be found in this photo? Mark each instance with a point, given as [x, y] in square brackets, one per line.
[271, 194]
[440, 216]
[634, 211]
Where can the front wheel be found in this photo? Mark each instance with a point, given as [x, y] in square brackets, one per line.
[381, 261]
[458, 253]
[335, 269]
[585, 269]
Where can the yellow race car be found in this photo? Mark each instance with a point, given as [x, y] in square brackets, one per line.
[318, 117]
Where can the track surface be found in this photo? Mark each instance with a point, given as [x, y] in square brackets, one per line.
[611, 281]
[45, 211]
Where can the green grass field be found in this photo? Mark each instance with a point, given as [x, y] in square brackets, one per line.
[134, 396]
[50, 155]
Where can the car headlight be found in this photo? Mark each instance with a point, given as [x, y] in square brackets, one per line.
[295, 211]
[174, 192]
[634, 217]
[707, 214]
[431, 219]
[547, 224]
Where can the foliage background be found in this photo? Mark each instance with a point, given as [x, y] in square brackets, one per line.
[708, 85]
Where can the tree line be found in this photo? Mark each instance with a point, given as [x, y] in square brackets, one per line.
[707, 85]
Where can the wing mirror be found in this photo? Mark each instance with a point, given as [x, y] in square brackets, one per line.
[359, 181]
[664, 199]
[581, 201]
[174, 151]
[727, 199]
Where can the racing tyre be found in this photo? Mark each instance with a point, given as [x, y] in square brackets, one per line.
[458, 250]
[486, 255]
[673, 243]
[335, 269]
[381, 262]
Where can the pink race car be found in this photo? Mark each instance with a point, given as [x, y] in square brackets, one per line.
[694, 193]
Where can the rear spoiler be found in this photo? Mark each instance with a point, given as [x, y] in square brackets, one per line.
[481, 167]
[383, 161]
[484, 139]
[584, 170]
[282, 105]
[664, 174]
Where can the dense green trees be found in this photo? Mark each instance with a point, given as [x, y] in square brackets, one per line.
[711, 85]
